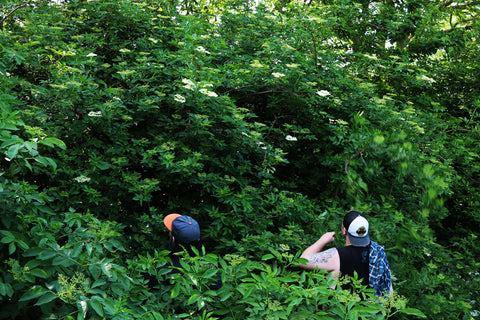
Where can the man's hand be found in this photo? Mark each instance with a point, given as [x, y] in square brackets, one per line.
[328, 237]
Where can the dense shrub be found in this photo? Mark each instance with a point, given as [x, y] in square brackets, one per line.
[260, 122]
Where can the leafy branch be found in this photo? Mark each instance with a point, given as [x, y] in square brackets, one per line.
[11, 12]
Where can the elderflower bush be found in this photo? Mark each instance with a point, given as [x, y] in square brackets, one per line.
[163, 143]
[203, 88]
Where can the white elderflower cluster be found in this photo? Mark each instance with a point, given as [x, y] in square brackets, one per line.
[189, 84]
[202, 50]
[95, 114]
[323, 93]
[179, 98]
[82, 179]
[290, 138]
[208, 92]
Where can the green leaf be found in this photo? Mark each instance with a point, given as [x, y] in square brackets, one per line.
[413, 312]
[96, 291]
[277, 254]
[95, 270]
[13, 140]
[193, 298]
[27, 164]
[209, 273]
[98, 283]
[77, 249]
[40, 273]
[46, 161]
[96, 303]
[157, 315]
[226, 296]
[12, 248]
[62, 261]
[45, 254]
[51, 163]
[46, 298]
[32, 263]
[33, 292]
[175, 291]
[51, 142]
[89, 248]
[268, 257]
[8, 236]
[31, 147]
[6, 289]
[109, 307]
[13, 151]
[367, 309]
[223, 264]
[22, 244]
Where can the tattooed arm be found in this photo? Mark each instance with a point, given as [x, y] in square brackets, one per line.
[326, 260]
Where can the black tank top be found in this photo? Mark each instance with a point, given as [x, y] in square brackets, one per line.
[354, 259]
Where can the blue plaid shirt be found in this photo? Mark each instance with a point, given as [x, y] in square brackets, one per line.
[379, 270]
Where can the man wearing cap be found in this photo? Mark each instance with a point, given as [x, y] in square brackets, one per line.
[184, 231]
[366, 258]
[184, 234]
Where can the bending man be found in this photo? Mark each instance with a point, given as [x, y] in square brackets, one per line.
[366, 258]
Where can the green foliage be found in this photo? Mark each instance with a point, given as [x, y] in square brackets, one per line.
[265, 123]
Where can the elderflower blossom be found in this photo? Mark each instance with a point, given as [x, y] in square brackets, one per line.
[290, 138]
[91, 54]
[278, 75]
[292, 65]
[82, 178]
[179, 98]
[208, 92]
[95, 114]
[189, 84]
[202, 50]
[323, 93]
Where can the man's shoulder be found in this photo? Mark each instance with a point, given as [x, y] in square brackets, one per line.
[327, 260]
